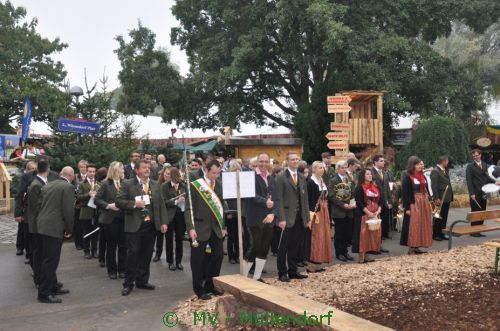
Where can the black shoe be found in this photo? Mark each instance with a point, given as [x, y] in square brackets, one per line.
[418, 251]
[437, 239]
[232, 261]
[19, 252]
[27, 261]
[341, 258]
[122, 275]
[171, 266]
[347, 256]
[49, 299]
[59, 285]
[205, 296]
[261, 280]
[444, 237]
[156, 258]
[60, 291]
[383, 250]
[284, 279]
[146, 286]
[102, 264]
[300, 264]
[126, 291]
[297, 276]
[179, 266]
[477, 235]
[237, 260]
[112, 276]
[481, 235]
[252, 269]
[87, 256]
[79, 248]
[216, 293]
[94, 255]
[387, 237]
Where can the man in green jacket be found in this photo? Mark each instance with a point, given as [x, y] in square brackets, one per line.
[145, 212]
[54, 221]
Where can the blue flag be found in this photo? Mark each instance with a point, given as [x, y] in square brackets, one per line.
[26, 119]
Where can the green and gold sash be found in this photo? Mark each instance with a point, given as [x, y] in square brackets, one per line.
[211, 199]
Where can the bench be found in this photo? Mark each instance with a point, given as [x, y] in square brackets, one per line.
[495, 244]
[472, 217]
[276, 300]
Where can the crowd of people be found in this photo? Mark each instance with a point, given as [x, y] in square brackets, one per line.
[123, 214]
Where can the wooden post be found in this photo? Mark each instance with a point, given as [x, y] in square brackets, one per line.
[240, 225]
[380, 116]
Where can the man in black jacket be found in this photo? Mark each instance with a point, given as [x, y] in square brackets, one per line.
[381, 178]
[440, 182]
[261, 215]
[129, 168]
[476, 175]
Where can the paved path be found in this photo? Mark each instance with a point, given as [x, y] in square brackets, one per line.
[95, 302]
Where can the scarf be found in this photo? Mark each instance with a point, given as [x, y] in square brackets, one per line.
[419, 176]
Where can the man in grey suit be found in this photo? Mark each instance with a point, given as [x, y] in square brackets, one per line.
[293, 218]
[145, 212]
[440, 180]
[54, 221]
[205, 224]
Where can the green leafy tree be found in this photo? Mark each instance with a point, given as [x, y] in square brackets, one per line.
[27, 69]
[435, 137]
[149, 81]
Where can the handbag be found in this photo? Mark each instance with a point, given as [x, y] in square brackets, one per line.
[312, 214]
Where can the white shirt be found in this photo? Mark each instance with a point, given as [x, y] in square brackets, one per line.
[293, 172]
[44, 179]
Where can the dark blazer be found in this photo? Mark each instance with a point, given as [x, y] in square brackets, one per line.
[477, 177]
[204, 220]
[407, 192]
[288, 198]
[57, 212]
[328, 175]
[33, 203]
[337, 206]
[83, 197]
[168, 192]
[129, 171]
[22, 188]
[439, 180]
[313, 195]
[125, 200]
[105, 195]
[383, 186]
[256, 209]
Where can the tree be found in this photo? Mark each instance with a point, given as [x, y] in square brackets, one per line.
[149, 80]
[260, 61]
[435, 137]
[27, 69]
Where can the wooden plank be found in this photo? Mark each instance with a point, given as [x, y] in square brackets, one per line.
[339, 109]
[473, 229]
[338, 145]
[338, 99]
[277, 300]
[492, 244]
[372, 131]
[334, 126]
[483, 215]
[380, 116]
[344, 136]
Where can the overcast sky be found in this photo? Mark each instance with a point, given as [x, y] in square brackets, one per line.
[89, 28]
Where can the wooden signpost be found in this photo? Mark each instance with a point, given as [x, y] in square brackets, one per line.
[339, 136]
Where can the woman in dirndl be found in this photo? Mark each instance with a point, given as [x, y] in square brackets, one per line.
[417, 221]
[367, 196]
[321, 250]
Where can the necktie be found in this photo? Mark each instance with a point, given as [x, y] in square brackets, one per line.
[212, 185]
[381, 174]
[295, 181]
[145, 188]
[344, 179]
[176, 188]
[117, 186]
[91, 185]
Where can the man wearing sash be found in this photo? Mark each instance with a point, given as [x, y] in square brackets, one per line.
[204, 217]
[145, 212]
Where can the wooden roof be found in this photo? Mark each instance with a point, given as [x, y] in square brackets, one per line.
[363, 96]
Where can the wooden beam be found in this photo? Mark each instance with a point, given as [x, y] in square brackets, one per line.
[280, 301]
[483, 215]
[380, 117]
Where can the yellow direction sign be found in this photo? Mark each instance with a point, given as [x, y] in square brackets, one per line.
[338, 99]
[345, 108]
[338, 145]
[337, 136]
[334, 126]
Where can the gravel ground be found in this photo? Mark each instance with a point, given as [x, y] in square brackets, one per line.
[435, 291]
